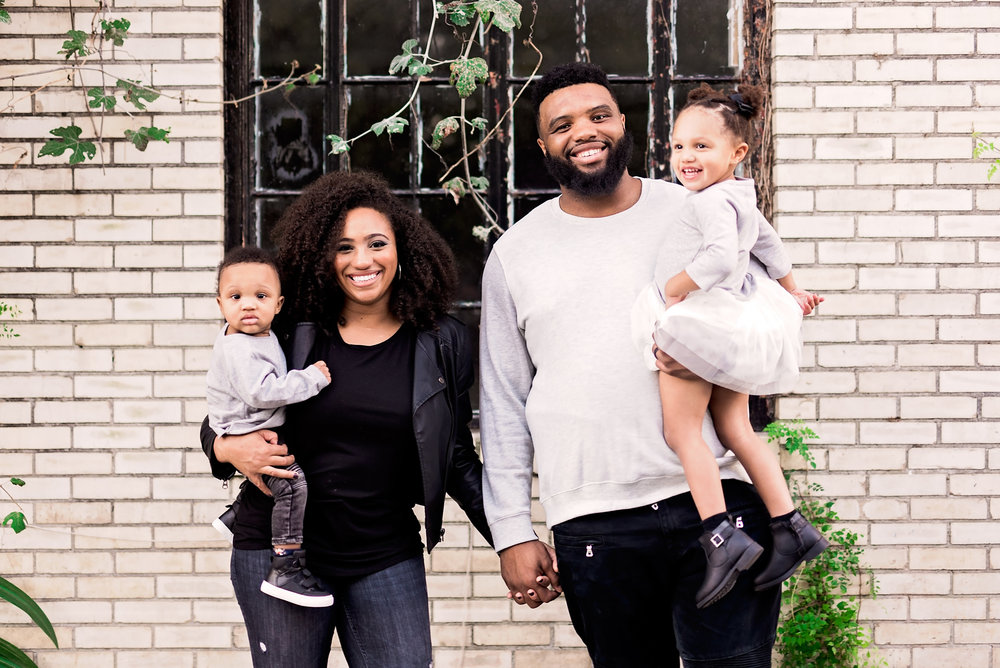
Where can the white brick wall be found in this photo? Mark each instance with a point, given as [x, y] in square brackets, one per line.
[911, 427]
[112, 267]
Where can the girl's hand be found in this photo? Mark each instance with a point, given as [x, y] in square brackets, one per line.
[807, 300]
[669, 301]
[324, 369]
[255, 454]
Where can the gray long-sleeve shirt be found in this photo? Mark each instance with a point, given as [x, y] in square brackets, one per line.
[561, 382]
[249, 383]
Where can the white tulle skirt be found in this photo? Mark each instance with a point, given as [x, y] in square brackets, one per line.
[746, 344]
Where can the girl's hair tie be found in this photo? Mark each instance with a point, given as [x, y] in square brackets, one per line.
[742, 108]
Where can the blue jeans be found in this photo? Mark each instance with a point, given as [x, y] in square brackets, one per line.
[382, 618]
[630, 578]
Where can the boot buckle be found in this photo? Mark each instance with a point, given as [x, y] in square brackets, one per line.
[716, 540]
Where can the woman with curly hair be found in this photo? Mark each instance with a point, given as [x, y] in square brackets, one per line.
[367, 285]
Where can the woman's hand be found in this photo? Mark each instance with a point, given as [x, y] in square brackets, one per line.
[807, 300]
[254, 455]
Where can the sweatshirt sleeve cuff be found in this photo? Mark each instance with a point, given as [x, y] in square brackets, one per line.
[512, 531]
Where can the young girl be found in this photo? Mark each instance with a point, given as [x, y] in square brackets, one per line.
[739, 335]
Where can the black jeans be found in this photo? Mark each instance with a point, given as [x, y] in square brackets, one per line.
[289, 506]
[630, 578]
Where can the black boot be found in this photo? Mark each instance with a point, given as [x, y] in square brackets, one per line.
[729, 552]
[795, 541]
[224, 522]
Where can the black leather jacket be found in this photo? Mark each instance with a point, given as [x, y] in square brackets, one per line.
[442, 376]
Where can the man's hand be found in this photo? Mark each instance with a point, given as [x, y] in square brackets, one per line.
[670, 366]
[531, 573]
[806, 300]
[255, 454]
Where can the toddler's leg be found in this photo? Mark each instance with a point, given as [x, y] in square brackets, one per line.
[732, 423]
[684, 403]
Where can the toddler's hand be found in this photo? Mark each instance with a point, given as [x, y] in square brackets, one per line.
[321, 365]
[669, 301]
[807, 300]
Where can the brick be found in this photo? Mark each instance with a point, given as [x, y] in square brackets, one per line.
[938, 407]
[976, 278]
[153, 308]
[878, 381]
[187, 22]
[902, 533]
[194, 586]
[967, 16]
[11, 361]
[102, 637]
[89, 204]
[933, 96]
[898, 433]
[92, 359]
[961, 69]
[73, 256]
[943, 608]
[855, 355]
[874, 459]
[974, 633]
[931, 148]
[965, 122]
[792, 148]
[937, 354]
[839, 97]
[839, 408]
[794, 18]
[113, 334]
[910, 484]
[813, 122]
[853, 148]
[188, 178]
[40, 386]
[147, 204]
[936, 303]
[38, 179]
[148, 462]
[157, 152]
[860, 304]
[203, 204]
[947, 559]
[882, 174]
[804, 174]
[935, 43]
[948, 509]
[112, 178]
[109, 230]
[34, 282]
[869, 18]
[142, 256]
[847, 44]
[977, 583]
[882, 509]
[74, 512]
[147, 411]
[891, 226]
[964, 329]
[974, 484]
[895, 122]
[975, 533]
[14, 205]
[863, 200]
[989, 251]
[938, 199]
[141, 360]
[115, 282]
[970, 432]
[826, 383]
[899, 278]
[909, 69]
[188, 229]
[74, 562]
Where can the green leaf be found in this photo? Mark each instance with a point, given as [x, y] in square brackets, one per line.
[116, 31]
[76, 45]
[402, 61]
[312, 78]
[69, 140]
[393, 125]
[4, 14]
[17, 481]
[466, 73]
[137, 94]
[100, 99]
[479, 123]
[455, 187]
[459, 13]
[12, 657]
[12, 593]
[338, 144]
[144, 135]
[444, 128]
[505, 14]
[16, 520]
[479, 183]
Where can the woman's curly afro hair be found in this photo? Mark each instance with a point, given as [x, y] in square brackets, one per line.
[307, 234]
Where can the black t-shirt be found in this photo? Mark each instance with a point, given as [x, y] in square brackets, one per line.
[355, 442]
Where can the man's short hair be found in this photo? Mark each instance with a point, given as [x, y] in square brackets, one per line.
[569, 74]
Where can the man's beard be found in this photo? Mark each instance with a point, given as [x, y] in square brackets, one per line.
[593, 184]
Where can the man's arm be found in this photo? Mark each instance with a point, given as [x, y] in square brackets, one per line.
[506, 373]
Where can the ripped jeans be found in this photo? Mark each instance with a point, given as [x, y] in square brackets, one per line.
[382, 619]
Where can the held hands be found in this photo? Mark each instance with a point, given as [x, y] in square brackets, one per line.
[323, 368]
[254, 455]
[531, 573]
[806, 300]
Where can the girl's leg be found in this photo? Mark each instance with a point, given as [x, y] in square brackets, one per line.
[684, 403]
[732, 423]
[383, 619]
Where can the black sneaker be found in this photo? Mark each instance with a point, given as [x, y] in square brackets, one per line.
[291, 581]
[224, 522]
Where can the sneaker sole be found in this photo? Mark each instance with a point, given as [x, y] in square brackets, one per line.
[812, 553]
[296, 599]
[221, 527]
[746, 560]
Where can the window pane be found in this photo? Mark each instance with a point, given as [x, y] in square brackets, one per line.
[633, 100]
[529, 169]
[703, 38]
[375, 34]
[436, 104]
[554, 35]
[617, 36]
[290, 138]
[269, 210]
[455, 223]
[288, 30]
[387, 154]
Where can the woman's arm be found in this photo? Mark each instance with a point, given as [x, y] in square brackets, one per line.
[255, 454]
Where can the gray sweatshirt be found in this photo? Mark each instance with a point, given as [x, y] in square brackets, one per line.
[561, 383]
[249, 383]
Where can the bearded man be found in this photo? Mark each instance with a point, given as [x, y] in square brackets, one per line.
[562, 384]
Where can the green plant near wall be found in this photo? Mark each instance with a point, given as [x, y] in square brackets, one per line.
[988, 149]
[10, 655]
[819, 625]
